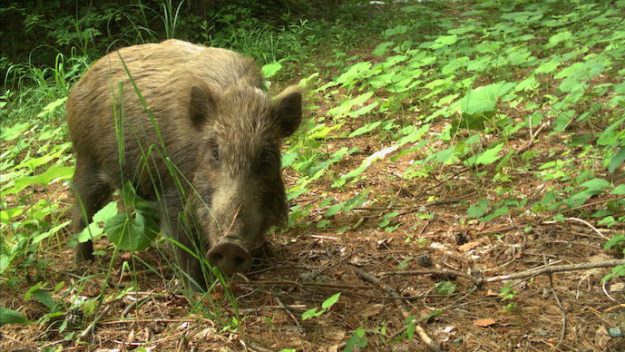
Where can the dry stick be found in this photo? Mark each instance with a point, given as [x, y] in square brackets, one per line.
[473, 279]
[155, 320]
[92, 325]
[519, 275]
[554, 269]
[425, 338]
[555, 296]
[532, 139]
[253, 347]
[589, 225]
[568, 210]
[288, 311]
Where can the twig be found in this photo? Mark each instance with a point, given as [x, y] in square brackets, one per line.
[288, 311]
[92, 325]
[157, 320]
[554, 269]
[532, 139]
[555, 297]
[425, 338]
[520, 275]
[428, 204]
[317, 272]
[568, 210]
[254, 347]
[589, 225]
[473, 279]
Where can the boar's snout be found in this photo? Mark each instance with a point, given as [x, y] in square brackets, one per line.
[230, 257]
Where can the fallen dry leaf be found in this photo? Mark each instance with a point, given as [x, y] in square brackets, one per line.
[484, 323]
[371, 310]
[469, 246]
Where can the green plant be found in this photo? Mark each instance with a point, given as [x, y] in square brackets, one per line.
[325, 306]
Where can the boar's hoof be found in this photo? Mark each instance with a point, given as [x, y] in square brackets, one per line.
[230, 257]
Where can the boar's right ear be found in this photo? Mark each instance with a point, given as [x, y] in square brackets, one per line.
[201, 107]
[288, 109]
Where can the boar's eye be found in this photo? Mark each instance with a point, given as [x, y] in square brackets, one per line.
[215, 154]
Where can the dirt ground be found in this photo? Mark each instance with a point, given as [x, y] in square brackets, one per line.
[565, 311]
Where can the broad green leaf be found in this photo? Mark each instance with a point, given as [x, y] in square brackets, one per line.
[617, 160]
[348, 205]
[270, 70]
[53, 173]
[382, 48]
[50, 233]
[39, 293]
[444, 40]
[618, 190]
[501, 211]
[529, 84]
[311, 313]
[330, 301]
[49, 109]
[10, 133]
[6, 215]
[357, 342]
[131, 233]
[615, 241]
[365, 129]
[489, 156]
[322, 131]
[345, 107]
[483, 99]
[549, 66]
[559, 38]
[478, 209]
[610, 135]
[355, 73]
[596, 185]
[95, 228]
[399, 29]
[9, 316]
[364, 110]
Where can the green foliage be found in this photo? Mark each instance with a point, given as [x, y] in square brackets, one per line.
[325, 306]
[136, 227]
[515, 96]
[357, 341]
[9, 316]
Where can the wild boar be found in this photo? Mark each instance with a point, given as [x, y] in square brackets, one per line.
[192, 129]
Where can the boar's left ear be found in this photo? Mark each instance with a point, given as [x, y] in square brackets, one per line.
[287, 108]
[202, 106]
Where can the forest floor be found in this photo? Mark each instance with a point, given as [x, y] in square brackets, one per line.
[569, 311]
[428, 265]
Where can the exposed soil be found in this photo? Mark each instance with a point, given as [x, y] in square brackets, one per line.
[569, 311]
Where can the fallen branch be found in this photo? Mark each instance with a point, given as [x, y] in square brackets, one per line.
[562, 311]
[425, 338]
[288, 312]
[92, 325]
[475, 280]
[554, 269]
[532, 139]
[520, 275]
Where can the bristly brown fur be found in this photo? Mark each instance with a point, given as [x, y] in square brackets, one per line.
[200, 108]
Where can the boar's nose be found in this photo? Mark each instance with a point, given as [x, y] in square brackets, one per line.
[230, 257]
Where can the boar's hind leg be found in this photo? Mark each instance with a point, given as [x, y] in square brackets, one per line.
[91, 195]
